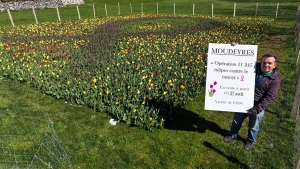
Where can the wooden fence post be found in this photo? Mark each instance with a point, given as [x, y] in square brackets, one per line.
[10, 17]
[297, 54]
[58, 15]
[277, 9]
[79, 18]
[295, 109]
[193, 9]
[174, 9]
[212, 10]
[256, 9]
[297, 32]
[119, 12]
[296, 104]
[142, 9]
[36, 21]
[234, 6]
[105, 9]
[298, 165]
[156, 8]
[130, 8]
[94, 11]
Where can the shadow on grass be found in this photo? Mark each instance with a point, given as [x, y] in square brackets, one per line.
[229, 158]
[189, 121]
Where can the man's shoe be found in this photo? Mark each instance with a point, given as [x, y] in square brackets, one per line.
[248, 145]
[228, 138]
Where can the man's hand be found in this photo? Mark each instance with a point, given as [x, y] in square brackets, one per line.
[251, 113]
[233, 43]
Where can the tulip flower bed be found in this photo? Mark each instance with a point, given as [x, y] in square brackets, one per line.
[138, 69]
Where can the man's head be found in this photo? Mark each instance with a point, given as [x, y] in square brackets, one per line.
[268, 63]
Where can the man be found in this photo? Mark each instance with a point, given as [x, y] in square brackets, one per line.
[267, 84]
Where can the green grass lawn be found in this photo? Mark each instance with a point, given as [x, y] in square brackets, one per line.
[194, 138]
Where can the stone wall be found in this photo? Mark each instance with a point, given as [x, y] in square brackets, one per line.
[40, 4]
[66, 2]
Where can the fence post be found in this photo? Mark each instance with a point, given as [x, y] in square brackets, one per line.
[36, 21]
[297, 34]
[11, 19]
[174, 9]
[295, 109]
[234, 6]
[130, 8]
[193, 9]
[212, 10]
[156, 8]
[105, 9]
[79, 18]
[94, 11]
[119, 9]
[256, 9]
[297, 54]
[296, 104]
[277, 9]
[298, 165]
[58, 15]
[142, 9]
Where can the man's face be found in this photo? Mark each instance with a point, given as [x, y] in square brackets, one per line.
[268, 64]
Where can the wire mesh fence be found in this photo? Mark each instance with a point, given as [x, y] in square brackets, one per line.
[28, 140]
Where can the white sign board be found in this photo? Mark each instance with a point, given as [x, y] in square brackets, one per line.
[230, 77]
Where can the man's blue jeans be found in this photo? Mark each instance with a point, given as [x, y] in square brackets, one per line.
[253, 126]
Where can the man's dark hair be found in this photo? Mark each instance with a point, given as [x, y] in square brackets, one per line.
[270, 55]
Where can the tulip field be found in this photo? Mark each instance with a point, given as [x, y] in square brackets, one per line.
[139, 68]
[144, 65]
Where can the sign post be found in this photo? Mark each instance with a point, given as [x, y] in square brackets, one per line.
[230, 77]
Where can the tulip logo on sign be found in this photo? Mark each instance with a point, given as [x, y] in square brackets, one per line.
[212, 91]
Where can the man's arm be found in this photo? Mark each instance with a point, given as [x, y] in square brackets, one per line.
[267, 99]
